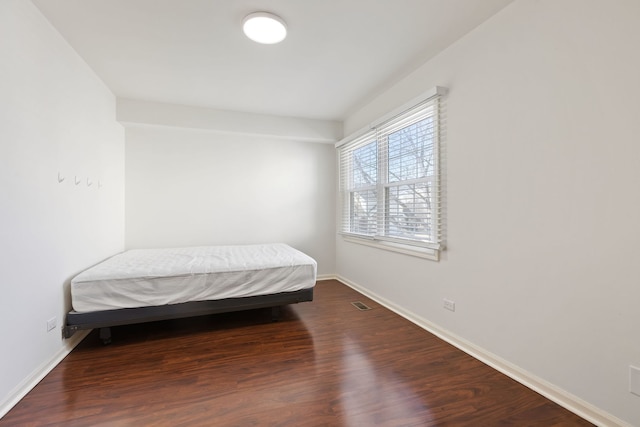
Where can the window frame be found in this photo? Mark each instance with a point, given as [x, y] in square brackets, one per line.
[423, 107]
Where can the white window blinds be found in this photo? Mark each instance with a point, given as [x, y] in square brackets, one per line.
[358, 185]
[390, 179]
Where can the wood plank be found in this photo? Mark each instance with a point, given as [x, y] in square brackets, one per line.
[324, 363]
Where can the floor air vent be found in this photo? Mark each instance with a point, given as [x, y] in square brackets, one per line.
[360, 306]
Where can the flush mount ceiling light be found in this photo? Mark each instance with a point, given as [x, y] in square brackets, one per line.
[264, 27]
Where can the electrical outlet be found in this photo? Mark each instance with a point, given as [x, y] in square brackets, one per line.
[51, 324]
[634, 380]
[449, 305]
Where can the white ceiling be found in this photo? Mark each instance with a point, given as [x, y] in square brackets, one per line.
[192, 52]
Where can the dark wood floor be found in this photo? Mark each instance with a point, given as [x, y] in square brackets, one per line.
[324, 364]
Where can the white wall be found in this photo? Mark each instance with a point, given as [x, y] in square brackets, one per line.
[196, 187]
[135, 112]
[55, 116]
[543, 167]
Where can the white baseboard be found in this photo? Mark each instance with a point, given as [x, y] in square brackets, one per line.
[563, 398]
[323, 277]
[39, 373]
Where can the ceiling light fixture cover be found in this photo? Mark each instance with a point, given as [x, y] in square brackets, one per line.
[264, 27]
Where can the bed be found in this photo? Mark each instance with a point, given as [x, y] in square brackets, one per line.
[146, 285]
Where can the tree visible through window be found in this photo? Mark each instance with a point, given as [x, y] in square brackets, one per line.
[389, 180]
[410, 181]
[364, 203]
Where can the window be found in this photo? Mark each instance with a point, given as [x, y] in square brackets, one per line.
[390, 179]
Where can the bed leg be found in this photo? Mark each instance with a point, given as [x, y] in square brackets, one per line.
[105, 335]
[275, 314]
[68, 331]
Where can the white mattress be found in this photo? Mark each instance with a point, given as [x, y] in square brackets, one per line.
[153, 277]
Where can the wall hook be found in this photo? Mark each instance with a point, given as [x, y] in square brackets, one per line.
[76, 180]
[89, 182]
[60, 178]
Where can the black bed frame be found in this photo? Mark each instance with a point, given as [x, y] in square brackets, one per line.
[127, 316]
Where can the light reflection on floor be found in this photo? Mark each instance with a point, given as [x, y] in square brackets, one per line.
[372, 394]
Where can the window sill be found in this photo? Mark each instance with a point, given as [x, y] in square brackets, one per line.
[426, 253]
